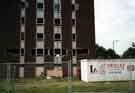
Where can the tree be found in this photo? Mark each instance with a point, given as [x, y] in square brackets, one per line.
[133, 44]
[129, 53]
[110, 53]
[102, 53]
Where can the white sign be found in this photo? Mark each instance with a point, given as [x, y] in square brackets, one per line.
[107, 70]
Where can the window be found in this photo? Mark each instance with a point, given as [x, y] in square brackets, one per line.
[57, 36]
[82, 51]
[57, 22]
[22, 4]
[57, 5]
[22, 35]
[22, 20]
[73, 7]
[22, 51]
[40, 36]
[51, 52]
[57, 51]
[40, 21]
[40, 5]
[73, 21]
[73, 37]
[33, 52]
[73, 52]
[39, 52]
[63, 51]
[46, 52]
[57, 8]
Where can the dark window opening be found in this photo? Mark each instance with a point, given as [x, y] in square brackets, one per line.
[39, 20]
[57, 51]
[22, 51]
[40, 5]
[22, 20]
[57, 22]
[73, 21]
[33, 52]
[40, 36]
[46, 51]
[57, 36]
[63, 51]
[51, 52]
[73, 37]
[57, 8]
[22, 35]
[12, 51]
[39, 52]
[73, 7]
[82, 51]
[73, 52]
[22, 4]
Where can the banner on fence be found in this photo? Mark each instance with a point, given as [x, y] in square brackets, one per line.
[107, 70]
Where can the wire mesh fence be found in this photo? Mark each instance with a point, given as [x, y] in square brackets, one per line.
[54, 78]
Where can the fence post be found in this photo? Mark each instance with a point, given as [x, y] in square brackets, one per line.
[70, 76]
[8, 78]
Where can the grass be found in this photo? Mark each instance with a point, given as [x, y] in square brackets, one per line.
[61, 86]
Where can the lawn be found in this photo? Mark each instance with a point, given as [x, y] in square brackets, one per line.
[60, 86]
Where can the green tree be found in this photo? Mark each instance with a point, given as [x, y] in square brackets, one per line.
[110, 53]
[129, 53]
[102, 53]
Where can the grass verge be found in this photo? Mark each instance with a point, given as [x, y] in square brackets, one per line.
[61, 86]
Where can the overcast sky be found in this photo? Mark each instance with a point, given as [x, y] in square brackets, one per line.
[115, 20]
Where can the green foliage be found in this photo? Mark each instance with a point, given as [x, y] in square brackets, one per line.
[129, 53]
[102, 53]
[61, 86]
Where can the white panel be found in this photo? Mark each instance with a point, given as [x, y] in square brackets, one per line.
[74, 44]
[58, 59]
[76, 7]
[40, 1]
[22, 12]
[57, 11]
[73, 15]
[39, 59]
[22, 43]
[23, 0]
[39, 71]
[40, 13]
[84, 70]
[108, 70]
[73, 1]
[73, 29]
[39, 44]
[57, 15]
[40, 29]
[74, 59]
[21, 59]
[57, 29]
[22, 28]
[57, 44]
[21, 72]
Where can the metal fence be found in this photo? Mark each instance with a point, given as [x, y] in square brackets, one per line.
[11, 73]
[13, 76]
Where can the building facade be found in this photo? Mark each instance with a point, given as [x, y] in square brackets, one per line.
[54, 31]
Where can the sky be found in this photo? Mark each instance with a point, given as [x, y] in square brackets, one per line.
[115, 20]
